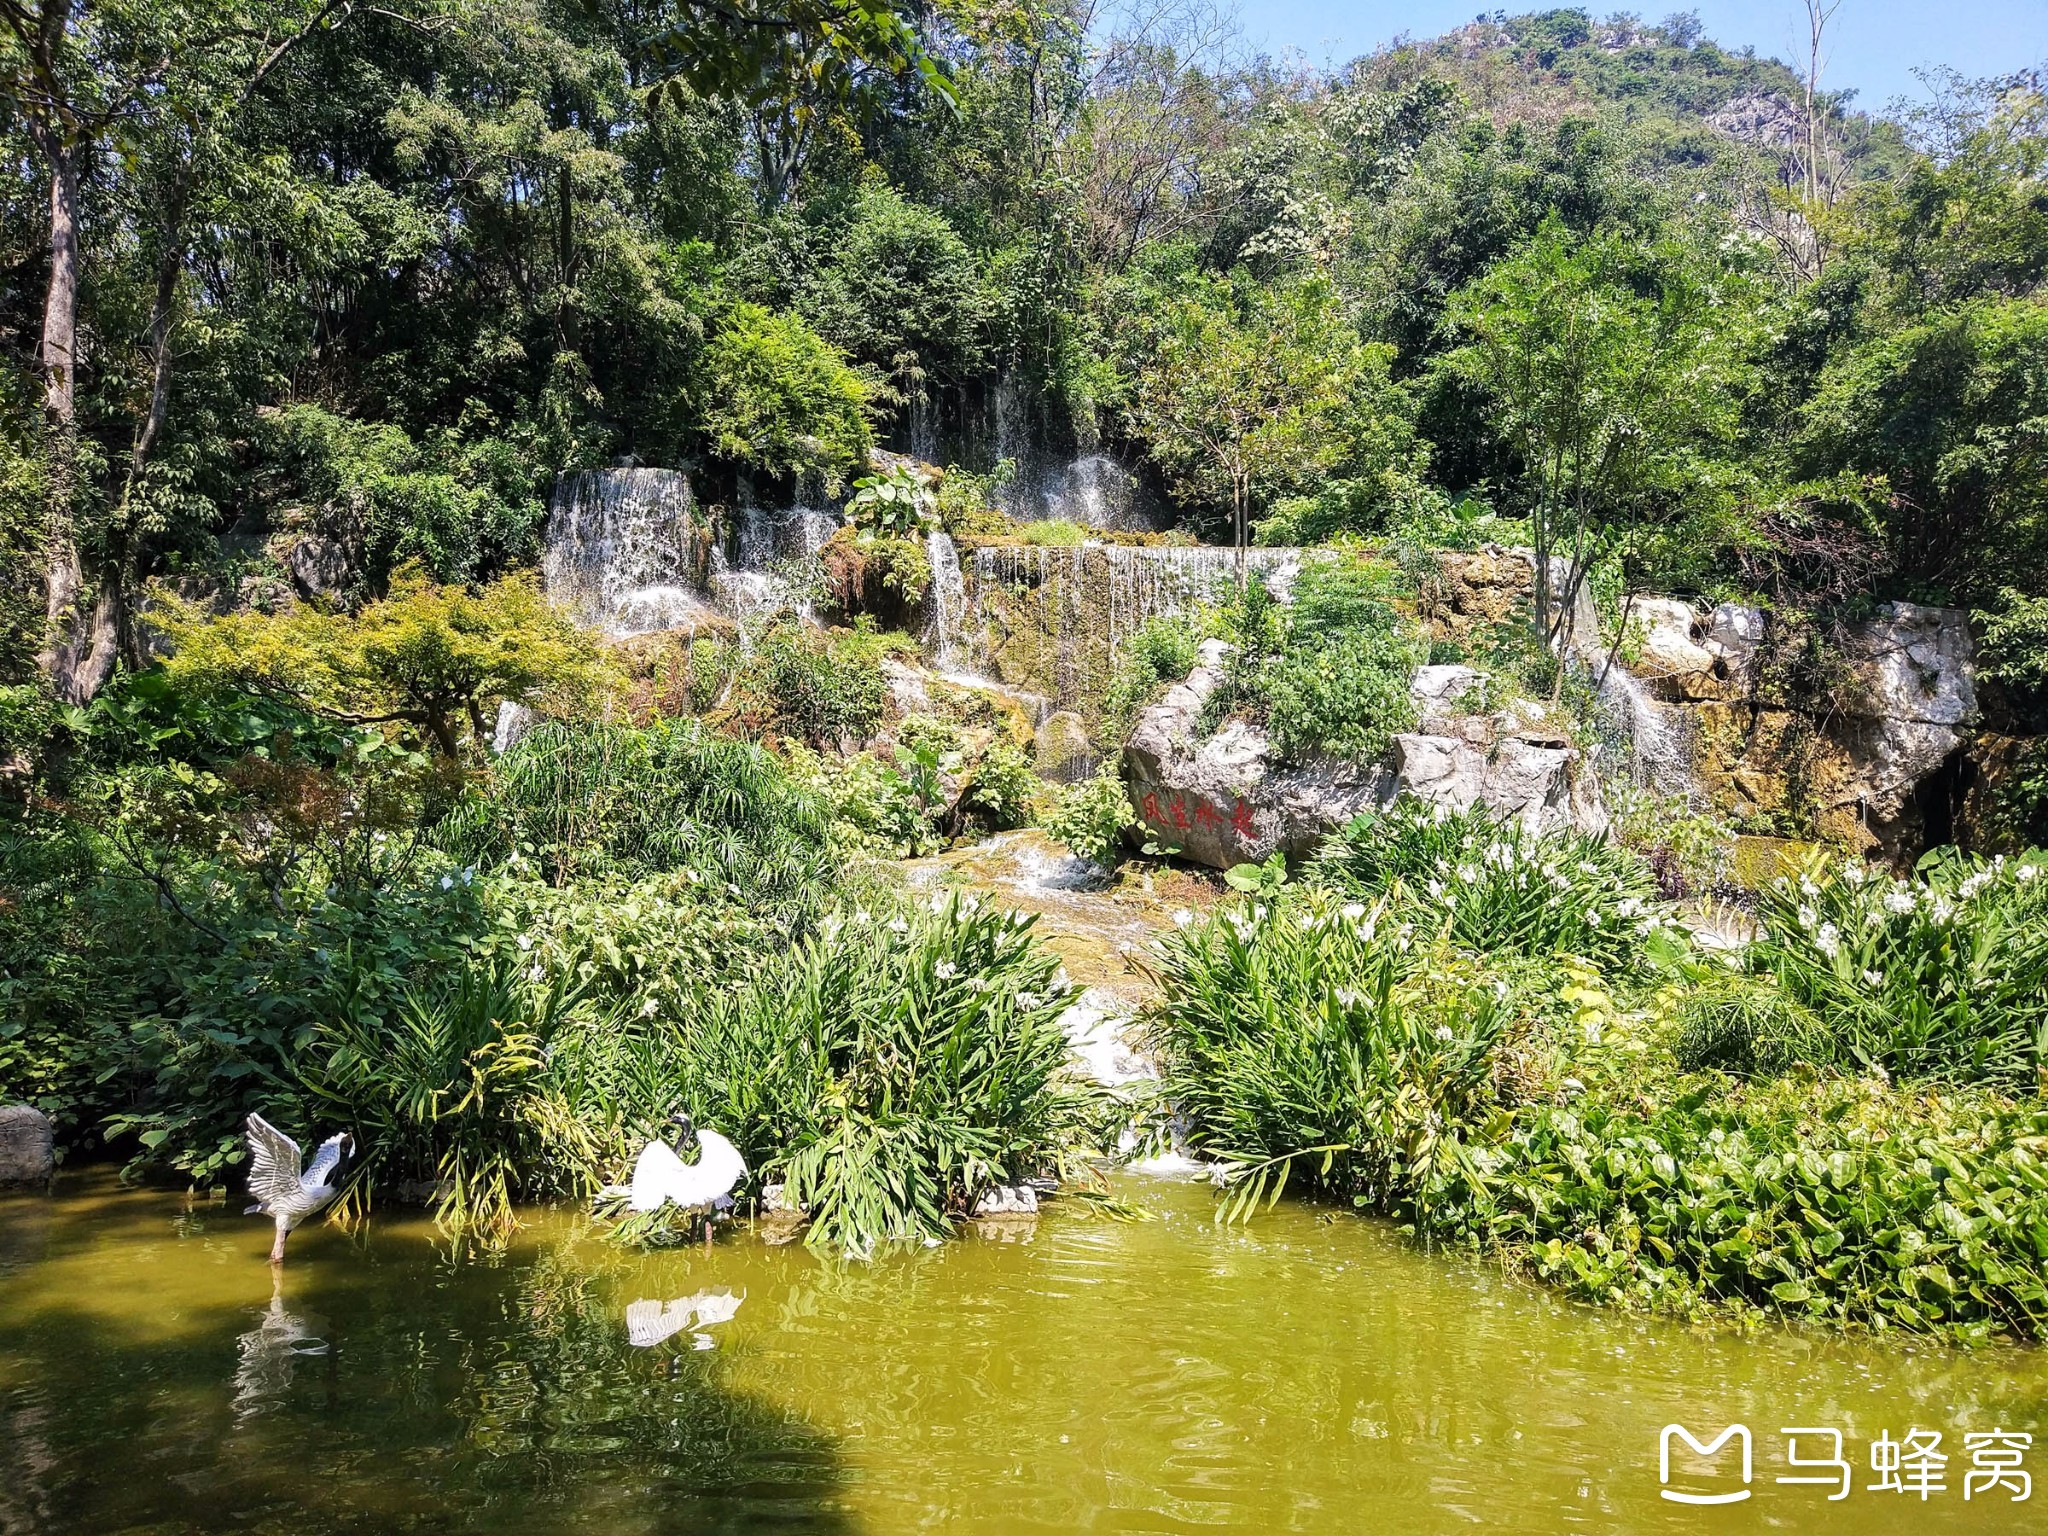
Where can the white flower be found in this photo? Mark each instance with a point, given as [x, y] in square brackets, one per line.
[863, 916]
[1828, 941]
[526, 941]
[1898, 899]
[447, 882]
[1182, 917]
[938, 903]
[971, 904]
[1468, 873]
[1027, 1000]
[1442, 1032]
[831, 926]
[1942, 910]
[1593, 916]
[649, 1009]
[1874, 978]
[897, 925]
[1807, 887]
[945, 970]
[2026, 872]
[1807, 917]
[1854, 872]
[1352, 911]
[539, 974]
[1436, 889]
[1348, 997]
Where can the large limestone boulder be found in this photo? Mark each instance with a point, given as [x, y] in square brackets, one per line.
[1854, 772]
[1224, 800]
[27, 1147]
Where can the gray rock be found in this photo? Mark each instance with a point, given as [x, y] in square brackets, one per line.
[1535, 783]
[1008, 1200]
[320, 567]
[27, 1147]
[1224, 801]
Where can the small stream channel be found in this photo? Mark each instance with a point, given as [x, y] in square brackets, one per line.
[1064, 1374]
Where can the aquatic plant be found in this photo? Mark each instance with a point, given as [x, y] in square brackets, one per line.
[1492, 886]
[1471, 1100]
[1311, 1028]
[1942, 976]
[887, 1072]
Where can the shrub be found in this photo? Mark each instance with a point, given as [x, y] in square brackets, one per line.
[1160, 652]
[1493, 887]
[821, 690]
[967, 501]
[1002, 786]
[1944, 976]
[597, 800]
[778, 396]
[1343, 696]
[876, 798]
[1090, 818]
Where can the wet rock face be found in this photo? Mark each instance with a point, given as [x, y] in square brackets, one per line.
[1225, 801]
[1062, 751]
[320, 567]
[27, 1147]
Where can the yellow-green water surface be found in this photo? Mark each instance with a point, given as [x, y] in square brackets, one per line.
[1068, 1375]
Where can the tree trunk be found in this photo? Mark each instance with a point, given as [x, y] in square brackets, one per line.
[1239, 532]
[79, 646]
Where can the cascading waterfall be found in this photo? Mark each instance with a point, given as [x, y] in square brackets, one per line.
[768, 543]
[1055, 618]
[623, 553]
[949, 600]
[1662, 756]
[619, 546]
[1094, 491]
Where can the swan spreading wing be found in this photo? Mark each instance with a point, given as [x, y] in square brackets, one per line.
[661, 1178]
[274, 1166]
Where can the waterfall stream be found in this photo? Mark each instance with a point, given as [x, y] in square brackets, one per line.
[619, 548]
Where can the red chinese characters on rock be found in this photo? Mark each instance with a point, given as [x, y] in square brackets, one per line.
[1180, 813]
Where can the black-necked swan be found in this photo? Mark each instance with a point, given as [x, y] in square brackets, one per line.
[279, 1189]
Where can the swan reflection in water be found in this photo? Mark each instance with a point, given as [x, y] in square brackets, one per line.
[268, 1352]
[649, 1323]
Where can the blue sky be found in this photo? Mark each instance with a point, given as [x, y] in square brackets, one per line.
[1877, 43]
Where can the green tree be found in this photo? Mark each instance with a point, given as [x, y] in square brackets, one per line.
[1243, 390]
[1613, 373]
[428, 657]
[778, 396]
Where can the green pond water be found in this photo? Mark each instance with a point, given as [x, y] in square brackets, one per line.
[1065, 1375]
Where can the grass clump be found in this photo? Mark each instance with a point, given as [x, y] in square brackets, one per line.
[1494, 887]
[1942, 977]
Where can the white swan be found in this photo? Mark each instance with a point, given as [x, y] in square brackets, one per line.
[279, 1189]
[661, 1177]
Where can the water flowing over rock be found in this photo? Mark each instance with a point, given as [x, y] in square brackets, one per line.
[622, 550]
[1053, 620]
[948, 623]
